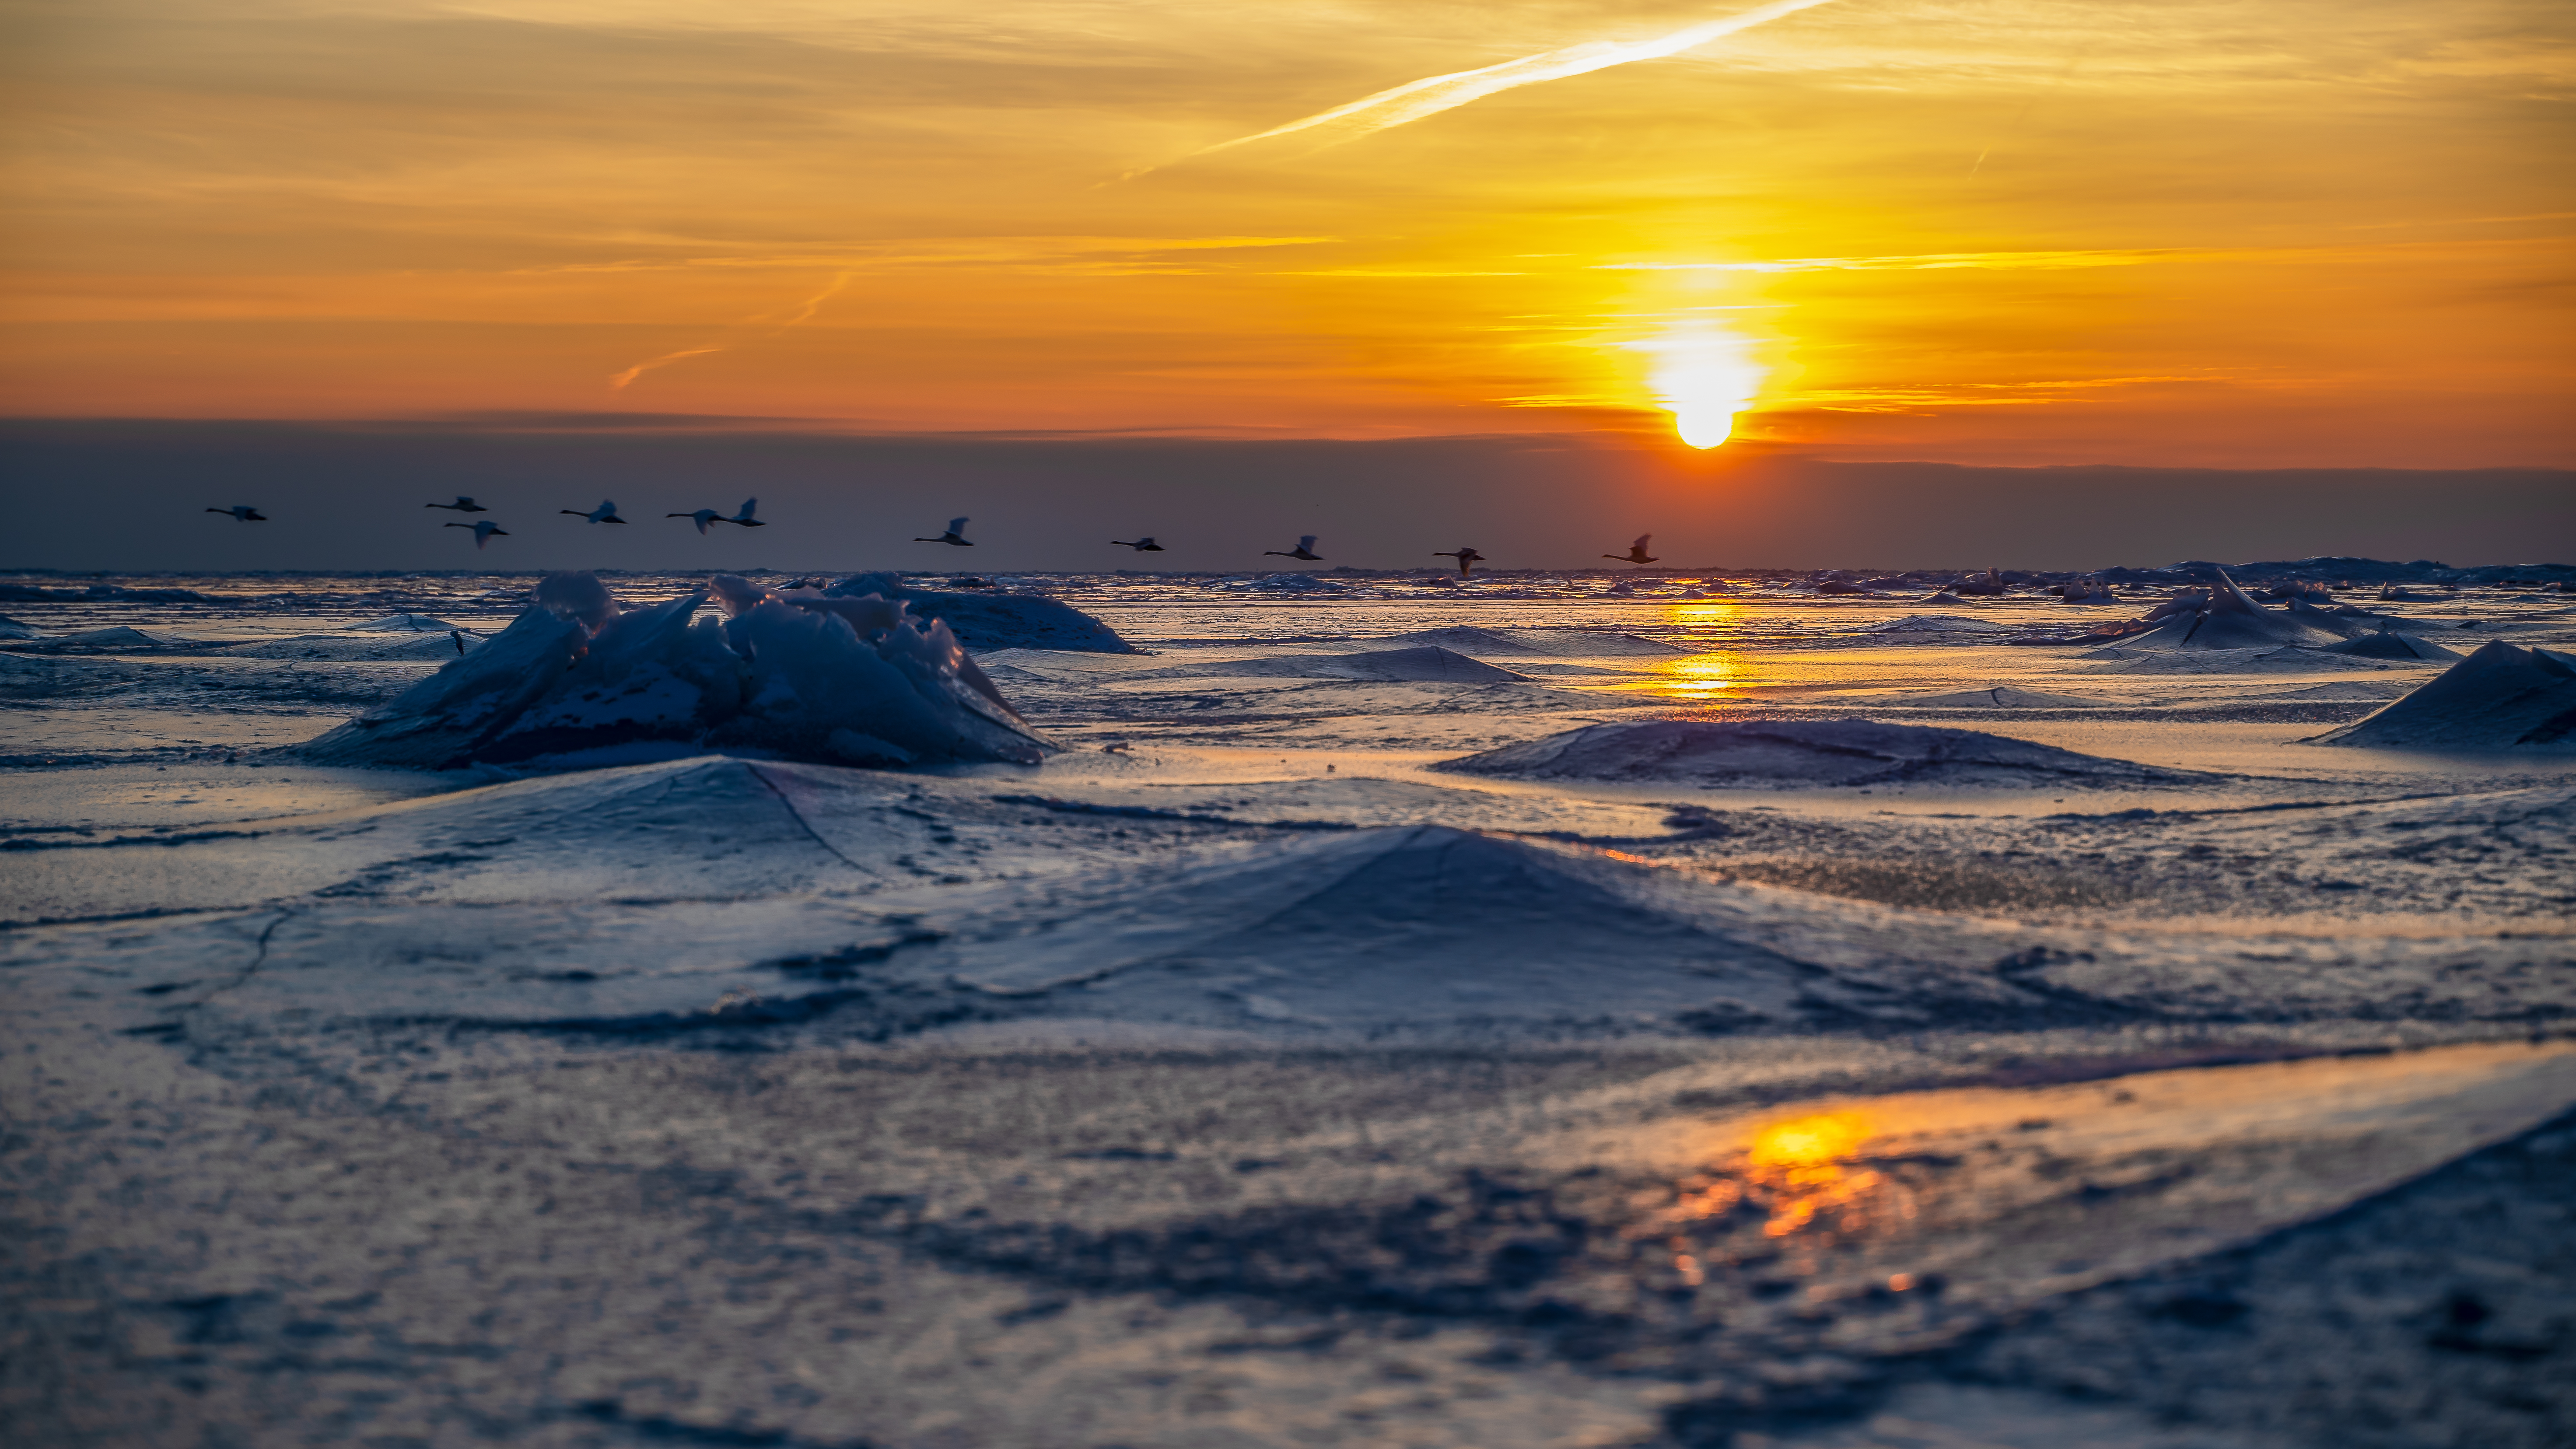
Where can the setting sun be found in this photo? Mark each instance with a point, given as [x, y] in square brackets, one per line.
[1704, 377]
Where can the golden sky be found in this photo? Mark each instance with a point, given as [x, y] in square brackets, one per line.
[2286, 233]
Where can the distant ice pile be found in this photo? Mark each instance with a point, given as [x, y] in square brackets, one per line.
[988, 621]
[801, 675]
[2500, 698]
[1777, 754]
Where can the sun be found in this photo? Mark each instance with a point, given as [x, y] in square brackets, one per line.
[1705, 376]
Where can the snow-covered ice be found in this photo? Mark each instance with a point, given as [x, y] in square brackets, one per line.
[1716, 1012]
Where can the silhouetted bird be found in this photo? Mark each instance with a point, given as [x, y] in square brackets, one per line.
[243, 512]
[701, 517]
[462, 504]
[1142, 545]
[744, 517]
[1636, 553]
[606, 512]
[956, 534]
[1305, 549]
[1465, 556]
[485, 530]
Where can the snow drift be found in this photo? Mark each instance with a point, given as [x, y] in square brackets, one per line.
[403, 624]
[1782, 754]
[115, 639]
[2499, 698]
[801, 675]
[983, 622]
[2000, 696]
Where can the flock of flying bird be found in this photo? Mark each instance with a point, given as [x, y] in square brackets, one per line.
[955, 535]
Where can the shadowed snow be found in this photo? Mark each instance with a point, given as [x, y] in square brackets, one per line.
[1813, 752]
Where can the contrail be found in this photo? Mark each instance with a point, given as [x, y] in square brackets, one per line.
[806, 313]
[1430, 96]
[618, 383]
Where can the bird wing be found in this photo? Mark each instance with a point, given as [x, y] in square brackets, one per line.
[748, 504]
[1307, 542]
[957, 525]
[1641, 544]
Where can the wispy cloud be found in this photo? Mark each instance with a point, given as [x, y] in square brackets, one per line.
[1036, 253]
[1433, 94]
[1922, 262]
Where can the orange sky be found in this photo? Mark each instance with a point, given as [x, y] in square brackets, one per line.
[2191, 233]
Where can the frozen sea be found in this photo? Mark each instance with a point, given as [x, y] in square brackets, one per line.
[1245, 1076]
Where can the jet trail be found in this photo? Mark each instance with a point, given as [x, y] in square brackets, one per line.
[812, 305]
[620, 381]
[1430, 96]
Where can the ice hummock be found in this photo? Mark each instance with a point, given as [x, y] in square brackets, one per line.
[797, 676]
[2499, 698]
[1801, 753]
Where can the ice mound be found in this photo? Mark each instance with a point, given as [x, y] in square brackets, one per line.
[2227, 618]
[2499, 698]
[1937, 624]
[1781, 754]
[1399, 926]
[983, 621]
[801, 676]
[15, 629]
[2389, 644]
[2000, 696]
[402, 624]
[1422, 663]
[1534, 643]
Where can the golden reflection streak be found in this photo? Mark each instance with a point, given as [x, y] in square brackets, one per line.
[1699, 676]
[1801, 1161]
[1796, 1168]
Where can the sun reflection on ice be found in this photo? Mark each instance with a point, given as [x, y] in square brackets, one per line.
[1794, 1175]
[1801, 1161]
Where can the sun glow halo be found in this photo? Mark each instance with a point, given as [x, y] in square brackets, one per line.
[1705, 377]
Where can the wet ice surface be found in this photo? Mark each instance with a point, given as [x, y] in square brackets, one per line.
[1237, 1078]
